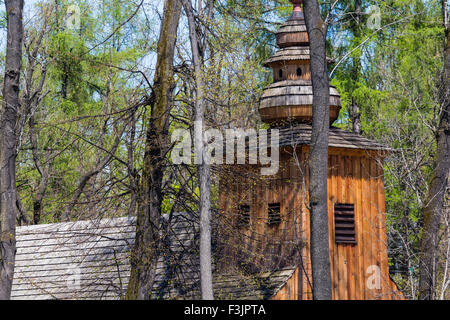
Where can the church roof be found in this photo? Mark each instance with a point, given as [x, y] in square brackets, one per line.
[293, 93]
[295, 53]
[300, 134]
[90, 260]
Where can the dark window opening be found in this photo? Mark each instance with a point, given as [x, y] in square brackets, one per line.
[280, 73]
[299, 72]
[344, 223]
[244, 216]
[274, 214]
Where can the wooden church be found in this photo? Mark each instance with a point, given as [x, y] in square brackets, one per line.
[265, 220]
[261, 230]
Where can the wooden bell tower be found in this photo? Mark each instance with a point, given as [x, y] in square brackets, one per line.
[265, 219]
[289, 98]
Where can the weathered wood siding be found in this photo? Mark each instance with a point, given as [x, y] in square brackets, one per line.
[355, 177]
[292, 289]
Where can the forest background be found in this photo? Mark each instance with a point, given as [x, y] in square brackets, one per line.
[87, 77]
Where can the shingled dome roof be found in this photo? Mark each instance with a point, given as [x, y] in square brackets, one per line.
[285, 99]
[290, 97]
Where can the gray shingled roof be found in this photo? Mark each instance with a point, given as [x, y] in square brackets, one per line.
[289, 54]
[294, 53]
[50, 258]
[90, 260]
[338, 138]
[300, 134]
[293, 26]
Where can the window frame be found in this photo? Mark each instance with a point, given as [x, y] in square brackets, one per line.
[274, 219]
[344, 223]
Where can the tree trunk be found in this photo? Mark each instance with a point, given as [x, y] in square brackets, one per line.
[355, 112]
[318, 158]
[8, 141]
[204, 167]
[86, 178]
[146, 251]
[434, 207]
[43, 171]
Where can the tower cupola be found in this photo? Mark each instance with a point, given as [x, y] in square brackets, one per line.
[289, 98]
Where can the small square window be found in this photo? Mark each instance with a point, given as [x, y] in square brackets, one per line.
[274, 214]
[244, 216]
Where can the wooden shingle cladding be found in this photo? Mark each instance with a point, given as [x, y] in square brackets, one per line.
[296, 54]
[292, 289]
[292, 99]
[300, 134]
[293, 92]
[355, 177]
[291, 37]
[90, 260]
[51, 258]
[290, 96]
[260, 286]
[292, 33]
[288, 54]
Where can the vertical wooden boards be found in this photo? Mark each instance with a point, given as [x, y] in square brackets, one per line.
[331, 222]
[295, 204]
[306, 230]
[341, 249]
[382, 233]
[359, 223]
[375, 211]
[350, 249]
[223, 209]
[354, 177]
[366, 219]
[334, 192]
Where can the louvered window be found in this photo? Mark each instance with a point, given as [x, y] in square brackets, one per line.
[344, 223]
[244, 216]
[274, 214]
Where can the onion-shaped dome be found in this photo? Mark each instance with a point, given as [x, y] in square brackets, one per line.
[290, 97]
[292, 100]
[289, 55]
[293, 32]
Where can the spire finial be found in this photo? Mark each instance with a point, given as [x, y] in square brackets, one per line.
[297, 5]
[297, 13]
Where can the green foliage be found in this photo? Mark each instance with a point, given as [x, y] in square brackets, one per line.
[96, 84]
[397, 92]
[93, 79]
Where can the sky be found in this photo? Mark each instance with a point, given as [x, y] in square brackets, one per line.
[29, 12]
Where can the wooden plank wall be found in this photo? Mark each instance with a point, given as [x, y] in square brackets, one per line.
[358, 179]
[355, 177]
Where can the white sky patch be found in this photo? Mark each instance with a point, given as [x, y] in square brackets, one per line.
[153, 11]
